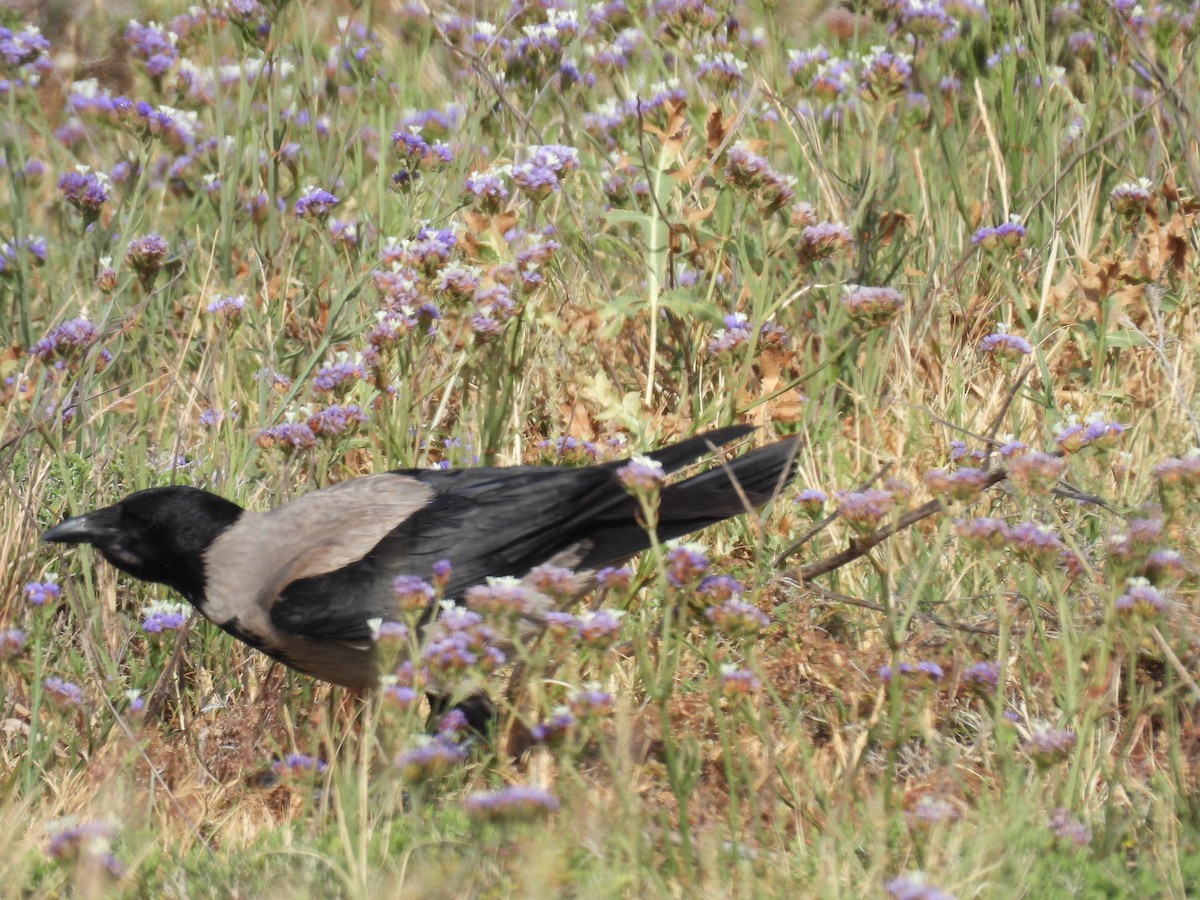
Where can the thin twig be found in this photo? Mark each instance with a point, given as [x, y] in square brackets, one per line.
[839, 597]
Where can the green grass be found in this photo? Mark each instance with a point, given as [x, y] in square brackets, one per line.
[823, 782]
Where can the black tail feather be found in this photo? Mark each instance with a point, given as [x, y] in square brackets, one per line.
[738, 486]
[678, 455]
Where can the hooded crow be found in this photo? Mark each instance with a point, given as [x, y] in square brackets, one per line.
[303, 582]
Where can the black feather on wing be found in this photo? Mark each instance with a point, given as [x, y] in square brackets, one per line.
[505, 521]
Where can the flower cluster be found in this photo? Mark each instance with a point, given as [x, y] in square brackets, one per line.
[511, 805]
[1008, 235]
[315, 204]
[1068, 830]
[39, 593]
[1130, 201]
[735, 619]
[298, 766]
[1141, 600]
[163, 615]
[871, 307]
[430, 758]
[12, 643]
[930, 670]
[641, 475]
[686, 563]
[752, 173]
[959, 484]
[1002, 345]
[1036, 472]
[85, 190]
[74, 841]
[864, 510]
[1095, 432]
[737, 683]
[502, 598]
[458, 645]
[541, 171]
[1047, 746]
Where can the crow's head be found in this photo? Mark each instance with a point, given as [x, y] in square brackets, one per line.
[157, 535]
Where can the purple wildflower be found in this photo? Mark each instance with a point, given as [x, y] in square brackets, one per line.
[145, 255]
[982, 532]
[86, 190]
[599, 629]
[1047, 746]
[412, 593]
[399, 696]
[39, 593]
[77, 841]
[1036, 472]
[930, 811]
[540, 173]
[959, 484]
[62, 693]
[589, 701]
[154, 45]
[812, 501]
[1131, 200]
[554, 730]
[12, 643]
[1096, 432]
[227, 307]
[641, 475]
[737, 683]
[1141, 600]
[735, 618]
[1034, 542]
[335, 419]
[315, 204]
[722, 70]
[487, 191]
[163, 615]
[428, 759]
[1008, 346]
[24, 49]
[298, 765]
[981, 677]
[339, 374]
[821, 241]
[287, 436]
[864, 510]
[685, 564]
[1067, 829]
[1007, 234]
[913, 886]
[885, 74]
[500, 598]
[614, 579]
[558, 583]
[736, 333]
[510, 805]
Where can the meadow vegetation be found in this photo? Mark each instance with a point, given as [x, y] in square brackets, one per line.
[260, 248]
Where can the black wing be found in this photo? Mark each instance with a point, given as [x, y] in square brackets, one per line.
[505, 521]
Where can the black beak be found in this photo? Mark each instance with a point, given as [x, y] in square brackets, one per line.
[90, 528]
